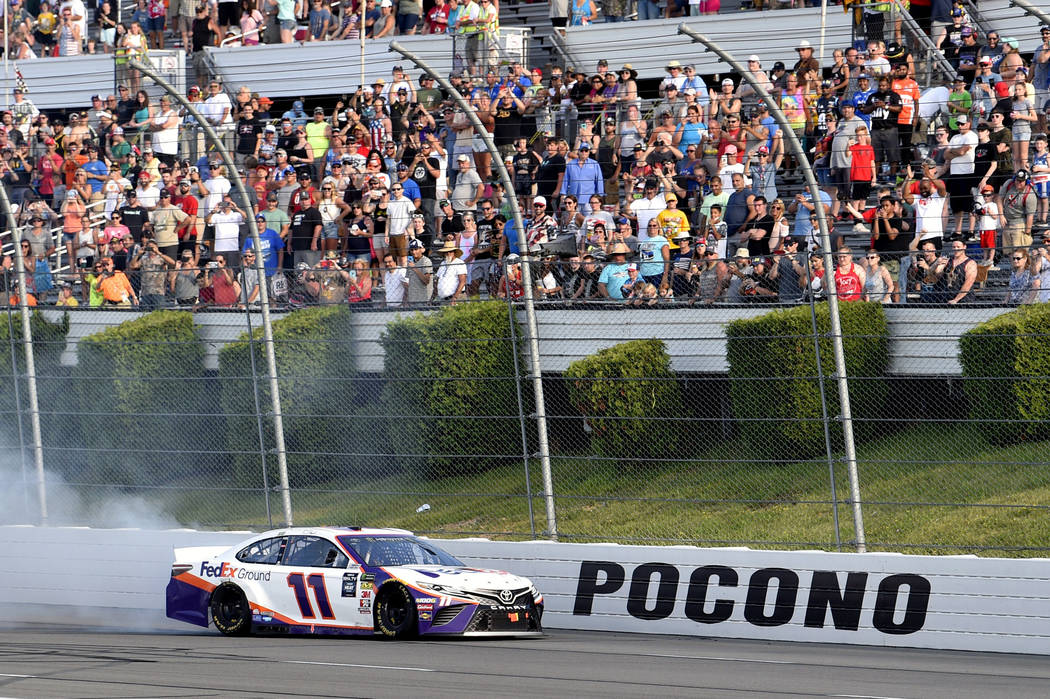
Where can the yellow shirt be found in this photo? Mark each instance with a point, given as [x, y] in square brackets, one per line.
[672, 222]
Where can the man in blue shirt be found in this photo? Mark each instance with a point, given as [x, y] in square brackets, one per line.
[614, 276]
[272, 246]
[297, 114]
[583, 177]
[864, 91]
[97, 172]
[803, 207]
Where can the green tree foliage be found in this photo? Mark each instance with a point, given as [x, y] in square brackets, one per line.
[449, 389]
[1006, 363]
[773, 376]
[137, 398]
[625, 392]
[315, 369]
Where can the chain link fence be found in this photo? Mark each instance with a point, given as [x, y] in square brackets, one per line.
[675, 423]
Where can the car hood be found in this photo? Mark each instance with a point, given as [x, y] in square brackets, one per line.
[459, 578]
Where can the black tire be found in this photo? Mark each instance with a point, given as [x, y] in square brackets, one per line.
[395, 613]
[230, 611]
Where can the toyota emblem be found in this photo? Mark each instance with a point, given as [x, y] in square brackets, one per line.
[506, 596]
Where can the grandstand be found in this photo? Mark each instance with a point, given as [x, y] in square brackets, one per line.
[324, 72]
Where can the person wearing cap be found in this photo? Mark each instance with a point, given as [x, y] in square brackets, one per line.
[1012, 61]
[113, 285]
[419, 273]
[183, 198]
[24, 111]
[319, 135]
[1020, 203]
[272, 248]
[469, 189]
[961, 180]
[983, 88]
[986, 212]
[153, 266]
[583, 177]
[166, 219]
[614, 275]
[227, 218]
[884, 106]
[806, 62]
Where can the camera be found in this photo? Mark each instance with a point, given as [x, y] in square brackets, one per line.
[212, 265]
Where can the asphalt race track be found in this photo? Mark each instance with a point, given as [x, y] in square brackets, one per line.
[72, 663]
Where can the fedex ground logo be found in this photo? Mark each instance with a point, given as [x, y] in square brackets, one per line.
[225, 570]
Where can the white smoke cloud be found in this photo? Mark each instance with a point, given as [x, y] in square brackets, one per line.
[69, 505]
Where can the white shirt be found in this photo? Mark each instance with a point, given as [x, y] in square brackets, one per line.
[227, 231]
[399, 215]
[395, 282]
[217, 187]
[928, 211]
[77, 8]
[166, 141]
[963, 164]
[645, 210]
[212, 109]
[149, 197]
[448, 277]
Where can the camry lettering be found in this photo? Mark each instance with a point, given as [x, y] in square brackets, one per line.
[771, 597]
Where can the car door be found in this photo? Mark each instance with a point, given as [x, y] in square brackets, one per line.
[322, 585]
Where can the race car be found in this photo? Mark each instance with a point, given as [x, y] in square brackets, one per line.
[352, 580]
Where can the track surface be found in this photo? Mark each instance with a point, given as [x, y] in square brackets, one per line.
[72, 663]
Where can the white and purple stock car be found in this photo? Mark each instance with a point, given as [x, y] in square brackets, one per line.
[332, 580]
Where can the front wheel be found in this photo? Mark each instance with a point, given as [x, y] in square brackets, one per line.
[230, 611]
[395, 612]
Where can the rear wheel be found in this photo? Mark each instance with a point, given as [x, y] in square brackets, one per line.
[230, 611]
[395, 612]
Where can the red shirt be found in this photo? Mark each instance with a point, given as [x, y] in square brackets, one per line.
[862, 163]
[298, 197]
[847, 284]
[189, 206]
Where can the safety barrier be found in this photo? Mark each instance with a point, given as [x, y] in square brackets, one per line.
[116, 578]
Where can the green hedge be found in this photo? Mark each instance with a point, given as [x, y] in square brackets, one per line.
[619, 391]
[450, 377]
[773, 376]
[315, 370]
[49, 340]
[1006, 364]
[139, 390]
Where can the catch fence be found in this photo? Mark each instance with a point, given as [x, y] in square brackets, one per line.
[676, 423]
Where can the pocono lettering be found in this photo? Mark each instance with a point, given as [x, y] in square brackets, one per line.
[825, 594]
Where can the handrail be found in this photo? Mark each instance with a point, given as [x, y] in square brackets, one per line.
[1031, 10]
[240, 37]
[920, 37]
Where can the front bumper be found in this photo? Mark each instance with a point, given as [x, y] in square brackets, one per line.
[487, 620]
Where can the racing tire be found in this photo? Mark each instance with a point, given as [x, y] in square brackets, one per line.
[395, 613]
[230, 611]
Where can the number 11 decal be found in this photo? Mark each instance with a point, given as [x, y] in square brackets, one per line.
[297, 582]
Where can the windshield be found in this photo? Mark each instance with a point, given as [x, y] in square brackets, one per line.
[397, 551]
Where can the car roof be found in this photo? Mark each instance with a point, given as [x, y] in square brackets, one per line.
[335, 531]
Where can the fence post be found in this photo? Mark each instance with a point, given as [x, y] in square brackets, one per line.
[530, 307]
[18, 400]
[258, 412]
[27, 343]
[264, 293]
[521, 412]
[792, 143]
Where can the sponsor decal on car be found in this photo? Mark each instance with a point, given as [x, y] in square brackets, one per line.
[349, 584]
[426, 616]
[900, 604]
[225, 570]
[424, 607]
[365, 594]
[365, 604]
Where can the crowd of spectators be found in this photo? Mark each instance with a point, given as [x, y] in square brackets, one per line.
[388, 197]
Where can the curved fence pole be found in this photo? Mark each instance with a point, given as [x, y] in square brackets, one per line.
[264, 293]
[27, 344]
[829, 277]
[530, 307]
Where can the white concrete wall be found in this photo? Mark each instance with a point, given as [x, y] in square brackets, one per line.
[117, 577]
